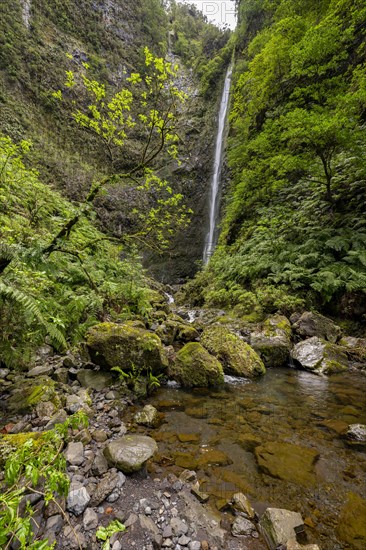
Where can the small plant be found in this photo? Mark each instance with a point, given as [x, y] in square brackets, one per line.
[137, 375]
[38, 466]
[105, 533]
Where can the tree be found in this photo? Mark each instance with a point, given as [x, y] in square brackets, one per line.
[144, 110]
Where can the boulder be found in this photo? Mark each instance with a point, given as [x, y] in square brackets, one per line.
[77, 499]
[313, 324]
[242, 526]
[352, 525]
[241, 504]
[27, 394]
[356, 436]
[46, 370]
[194, 366]
[147, 417]
[273, 341]
[236, 356]
[278, 526]
[95, 380]
[104, 488]
[172, 330]
[356, 349]
[320, 356]
[130, 452]
[74, 453]
[288, 462]
[126, 345]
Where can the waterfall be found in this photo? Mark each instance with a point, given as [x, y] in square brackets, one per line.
[211, 237]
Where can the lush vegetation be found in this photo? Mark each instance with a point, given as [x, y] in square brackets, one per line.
[200, 44]
[37, 466]
[294, 222]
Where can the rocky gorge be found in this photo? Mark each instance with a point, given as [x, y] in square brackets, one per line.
[128, 464]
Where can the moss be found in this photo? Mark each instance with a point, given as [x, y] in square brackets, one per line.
[237, 357]
[195, 367]
[351, 526]
[124, 345]
[26, 395]
[11, 442]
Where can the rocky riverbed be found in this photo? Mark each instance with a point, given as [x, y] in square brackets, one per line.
[123, 467]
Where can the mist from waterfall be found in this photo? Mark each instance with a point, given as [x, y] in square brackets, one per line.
[211, 237]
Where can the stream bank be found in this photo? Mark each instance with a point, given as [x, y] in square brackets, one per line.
[233, 438]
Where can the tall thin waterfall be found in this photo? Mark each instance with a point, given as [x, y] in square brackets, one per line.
[211, 237]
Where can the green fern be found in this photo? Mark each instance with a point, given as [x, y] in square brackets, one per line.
[29, 305]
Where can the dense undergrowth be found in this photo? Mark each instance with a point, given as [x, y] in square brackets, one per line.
[294, 225]
[62, 293]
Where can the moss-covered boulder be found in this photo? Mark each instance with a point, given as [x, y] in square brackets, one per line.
[236, 356]
[11, 442]
[320, 356]
[172, 330]
[126, 345]
[27, 394]
[194, 366]
[288, 462]
[356, 350]
[352, 525]
[273, 341]
[313, 324]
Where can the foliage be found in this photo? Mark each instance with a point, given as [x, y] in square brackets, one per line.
[138, 374]
[294, 217]
[105, 533]
[38, 466]
[71, 288]
[155, 100]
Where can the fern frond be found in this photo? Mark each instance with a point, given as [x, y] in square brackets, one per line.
[29, 306]
[6, 256]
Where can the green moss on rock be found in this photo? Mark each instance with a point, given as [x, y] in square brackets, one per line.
[194, 366]
[11, 442]
[273, 341]
[236, 356]
[124, 345]
[352, 526]
[27, 395]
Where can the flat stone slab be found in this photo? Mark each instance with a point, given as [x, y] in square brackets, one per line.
[130, 452]
[288, 462]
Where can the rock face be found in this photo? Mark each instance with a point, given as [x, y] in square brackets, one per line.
[278, 526]
[130, 452]
[313, 324]
[195, 367]
[273, 341]
[319, 356]
[112, 345]
[236, 356]
[352, 526]
[288, 462]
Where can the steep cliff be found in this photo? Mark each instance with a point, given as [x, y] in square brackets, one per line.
[41, 40]
[294, 227]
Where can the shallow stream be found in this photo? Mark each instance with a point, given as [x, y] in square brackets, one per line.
[216, 433]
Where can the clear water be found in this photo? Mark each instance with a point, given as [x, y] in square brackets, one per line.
[284, 406]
